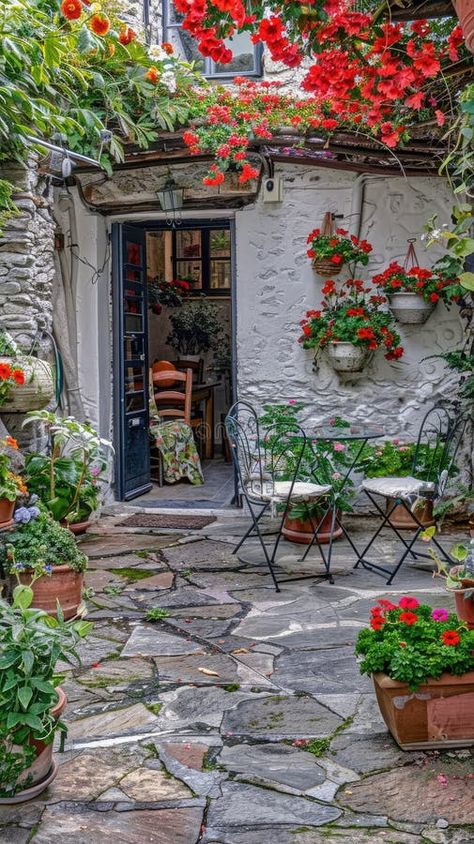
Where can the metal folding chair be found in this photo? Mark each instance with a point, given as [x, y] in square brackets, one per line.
[267, 463]
[438, 442]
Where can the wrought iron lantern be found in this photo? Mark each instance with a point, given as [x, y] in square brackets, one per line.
[171, 197]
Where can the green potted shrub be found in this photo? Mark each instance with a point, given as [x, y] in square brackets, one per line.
[422, 665]
[196, 328]
[330, 461]
[69, 478]
[45, 555]
[31, 702]
[11, 483]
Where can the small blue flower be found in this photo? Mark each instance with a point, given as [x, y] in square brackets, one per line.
[33, 498]
[22, 515]
[17, 567]
[34, 512]
[48, 568]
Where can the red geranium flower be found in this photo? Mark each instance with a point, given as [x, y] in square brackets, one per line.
[126, 35]
[408, 618]
[450, 637]
[377, 622]
[18, 376]
[5, 371]
[71, 9]
[408, 603]
[100, 24]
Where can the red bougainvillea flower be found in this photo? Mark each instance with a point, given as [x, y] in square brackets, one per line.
[18, 376]
[71, 9]
[5, 371]
[100, 24]
[126, 35]
[408, 618]
[408, 603]
[450, 637]
[152, 74]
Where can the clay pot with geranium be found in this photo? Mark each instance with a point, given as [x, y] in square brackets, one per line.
[12, 485]
[459, 579]
[329, 252]
[349, 326]
[414, 293]
[422, 665]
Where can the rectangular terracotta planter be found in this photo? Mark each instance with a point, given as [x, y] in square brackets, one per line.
[437, 716]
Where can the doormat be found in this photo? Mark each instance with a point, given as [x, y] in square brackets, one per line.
[148, 520]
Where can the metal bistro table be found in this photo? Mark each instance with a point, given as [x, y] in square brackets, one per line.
[354, 434]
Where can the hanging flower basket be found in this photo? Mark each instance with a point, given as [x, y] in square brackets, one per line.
[346, 357]
[324, 267]
[410, 308]
[38, 389]
[329, 250]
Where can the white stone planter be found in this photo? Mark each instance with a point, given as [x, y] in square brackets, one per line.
[38, 389]
[345, 357]
[410, 308]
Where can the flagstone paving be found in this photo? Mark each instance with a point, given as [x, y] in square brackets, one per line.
[239, 715]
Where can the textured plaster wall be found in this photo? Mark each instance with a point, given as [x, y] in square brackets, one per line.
[276, 285]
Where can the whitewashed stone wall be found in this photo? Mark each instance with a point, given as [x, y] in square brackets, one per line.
[276, 285]
[27, 257]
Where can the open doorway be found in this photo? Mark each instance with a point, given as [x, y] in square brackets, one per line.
[183, 292]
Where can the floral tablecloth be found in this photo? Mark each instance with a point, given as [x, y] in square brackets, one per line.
[175, 442]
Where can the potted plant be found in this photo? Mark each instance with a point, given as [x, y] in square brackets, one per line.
[11, 484]
[167, 294]
[323, 463]
[41, 545]
[32, 374]
[69, 479]
[329, 252]
[413, 294]
[422, 665]
[349, 325]
[31, 702]
[196, 328]
[459, 579]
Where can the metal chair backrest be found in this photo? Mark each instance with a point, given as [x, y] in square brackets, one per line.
[437, 445]
[173, 403]
[263, 456]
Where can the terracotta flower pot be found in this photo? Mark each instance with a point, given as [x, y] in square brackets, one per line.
[439, 715]
[63, 584]
[402, 520]
[464, 599]
[43, 770]
[301, 531]
[345, 357]
[6, 512]
[325, 267]
[410, 308]
[77, 527]
[465, 12]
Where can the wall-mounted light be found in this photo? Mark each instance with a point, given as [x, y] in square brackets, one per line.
[171, 196]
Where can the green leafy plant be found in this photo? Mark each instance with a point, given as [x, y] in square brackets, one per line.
[196, 328]
[411, 642]
[39, 544]
[156, 614]
[31, 643]
[69, 479]
[11, 483]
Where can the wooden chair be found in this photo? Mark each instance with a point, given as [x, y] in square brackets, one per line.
[197, 367]
[173, 403]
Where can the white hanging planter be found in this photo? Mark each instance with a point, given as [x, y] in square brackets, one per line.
[410, 308]
[38, 389]
[345, 357]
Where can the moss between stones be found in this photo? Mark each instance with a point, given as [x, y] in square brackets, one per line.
[133, 574]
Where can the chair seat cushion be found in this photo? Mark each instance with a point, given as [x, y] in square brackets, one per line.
[280, 490]
[397, 487]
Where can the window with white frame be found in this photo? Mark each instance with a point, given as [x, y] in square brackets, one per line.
[246, 61]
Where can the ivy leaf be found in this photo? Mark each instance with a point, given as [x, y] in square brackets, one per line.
[25, 693]
[467, 280]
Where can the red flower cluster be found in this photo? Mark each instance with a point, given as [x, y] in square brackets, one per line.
[429, 284]
[338, 248]
[15, 375]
